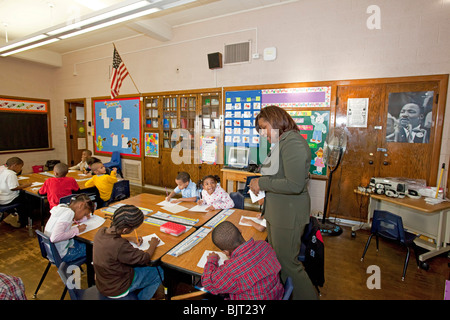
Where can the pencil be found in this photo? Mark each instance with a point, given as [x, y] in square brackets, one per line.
[137, 239]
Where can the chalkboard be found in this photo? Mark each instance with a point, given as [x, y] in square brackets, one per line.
[24, 124]
[117, 126]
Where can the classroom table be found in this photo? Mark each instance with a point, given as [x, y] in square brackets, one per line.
[187, 262]
[41, 177]
[147, 201]
[431, 221]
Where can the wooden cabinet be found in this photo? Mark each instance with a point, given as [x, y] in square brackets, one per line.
[181, 119]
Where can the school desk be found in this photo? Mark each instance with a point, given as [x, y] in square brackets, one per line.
[431, 221]
[187, 262]
[40, 178]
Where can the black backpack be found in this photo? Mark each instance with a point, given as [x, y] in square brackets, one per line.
[312, 253]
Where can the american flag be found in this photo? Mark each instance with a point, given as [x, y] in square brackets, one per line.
[119, 72]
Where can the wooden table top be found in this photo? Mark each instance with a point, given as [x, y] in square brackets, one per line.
[39, 177]
[147, 201]
[417, 204]
[187, 262]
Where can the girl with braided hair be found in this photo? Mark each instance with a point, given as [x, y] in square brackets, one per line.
[119, 267]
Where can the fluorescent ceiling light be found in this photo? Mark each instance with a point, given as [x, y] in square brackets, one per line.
[31, 47]
[99, 17]
[21, 43]
[110, 23]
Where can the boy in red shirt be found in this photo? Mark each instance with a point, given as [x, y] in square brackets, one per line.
[250, 273]
[60, 186]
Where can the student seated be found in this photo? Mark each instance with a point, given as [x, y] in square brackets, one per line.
[83, 164]
[250, 273]
[59, 226]
[119, 267]
[10, 192]
[102, 181]
[187, 188]
[59, 186]
[213, 195]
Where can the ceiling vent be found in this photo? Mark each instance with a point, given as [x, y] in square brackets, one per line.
[237, 52]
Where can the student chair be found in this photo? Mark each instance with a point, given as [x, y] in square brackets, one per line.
[121, 191]
[288, 288]
[244, 191]
[7, 208]
[390, 226]
[115, 162]
[67, 199]
[238, 200]
[50, 253]
[90, 293]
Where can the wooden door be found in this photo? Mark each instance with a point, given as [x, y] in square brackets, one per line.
[76, 136]
[359, 161]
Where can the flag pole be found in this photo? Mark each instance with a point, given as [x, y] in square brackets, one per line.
[128, 71]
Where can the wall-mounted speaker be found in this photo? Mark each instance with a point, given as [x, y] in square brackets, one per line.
[215, 60]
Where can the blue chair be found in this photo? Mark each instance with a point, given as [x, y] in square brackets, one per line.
[50, 253]
[390, 226]
[288, 288]
[90, 293]
[238, 200]
[115, 162]
[121, 191]
[67, 199]
[244, 191]
[7, 208]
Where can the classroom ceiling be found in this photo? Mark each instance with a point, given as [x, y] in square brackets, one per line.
[19, 18]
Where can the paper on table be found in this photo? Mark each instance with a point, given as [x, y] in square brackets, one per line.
[92, 223]
[166, 203]
[204, 258]
[35, 184]
[174, 208]
[145, 245]
[261, 195]
[258, 221]
[199, 208]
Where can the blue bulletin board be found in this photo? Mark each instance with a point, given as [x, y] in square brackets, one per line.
[117, 126]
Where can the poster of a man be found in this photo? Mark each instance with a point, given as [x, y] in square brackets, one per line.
[409, 115]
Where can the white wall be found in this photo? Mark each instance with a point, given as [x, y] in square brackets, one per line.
[316, 40]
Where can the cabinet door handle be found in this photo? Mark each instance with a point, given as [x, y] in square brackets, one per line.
[385, 163]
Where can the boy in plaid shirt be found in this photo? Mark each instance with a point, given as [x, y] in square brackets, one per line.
[250, 273]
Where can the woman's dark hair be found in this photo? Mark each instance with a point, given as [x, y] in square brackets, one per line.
[278, 119]
[127, 216]
[200, 182]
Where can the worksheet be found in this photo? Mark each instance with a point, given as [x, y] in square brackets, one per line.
[204, 258]
[145, 242]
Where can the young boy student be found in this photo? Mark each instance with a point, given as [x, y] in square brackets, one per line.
[60, 227]
[10, 191]
[83, 164]
[102, 181]
[119, 267]
[59, 186]
[187, 188]
[250, 273]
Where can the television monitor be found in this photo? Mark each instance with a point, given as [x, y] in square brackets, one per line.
[238, 157]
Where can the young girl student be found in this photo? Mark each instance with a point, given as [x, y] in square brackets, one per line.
[213, 195]
[61, 230]
[119, 267]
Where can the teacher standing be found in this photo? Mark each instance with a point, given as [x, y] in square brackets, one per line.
[287, 202]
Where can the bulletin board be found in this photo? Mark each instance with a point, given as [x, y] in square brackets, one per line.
[117, 126]
[300, 103]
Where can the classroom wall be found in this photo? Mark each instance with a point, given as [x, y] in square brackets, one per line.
[316, 40]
